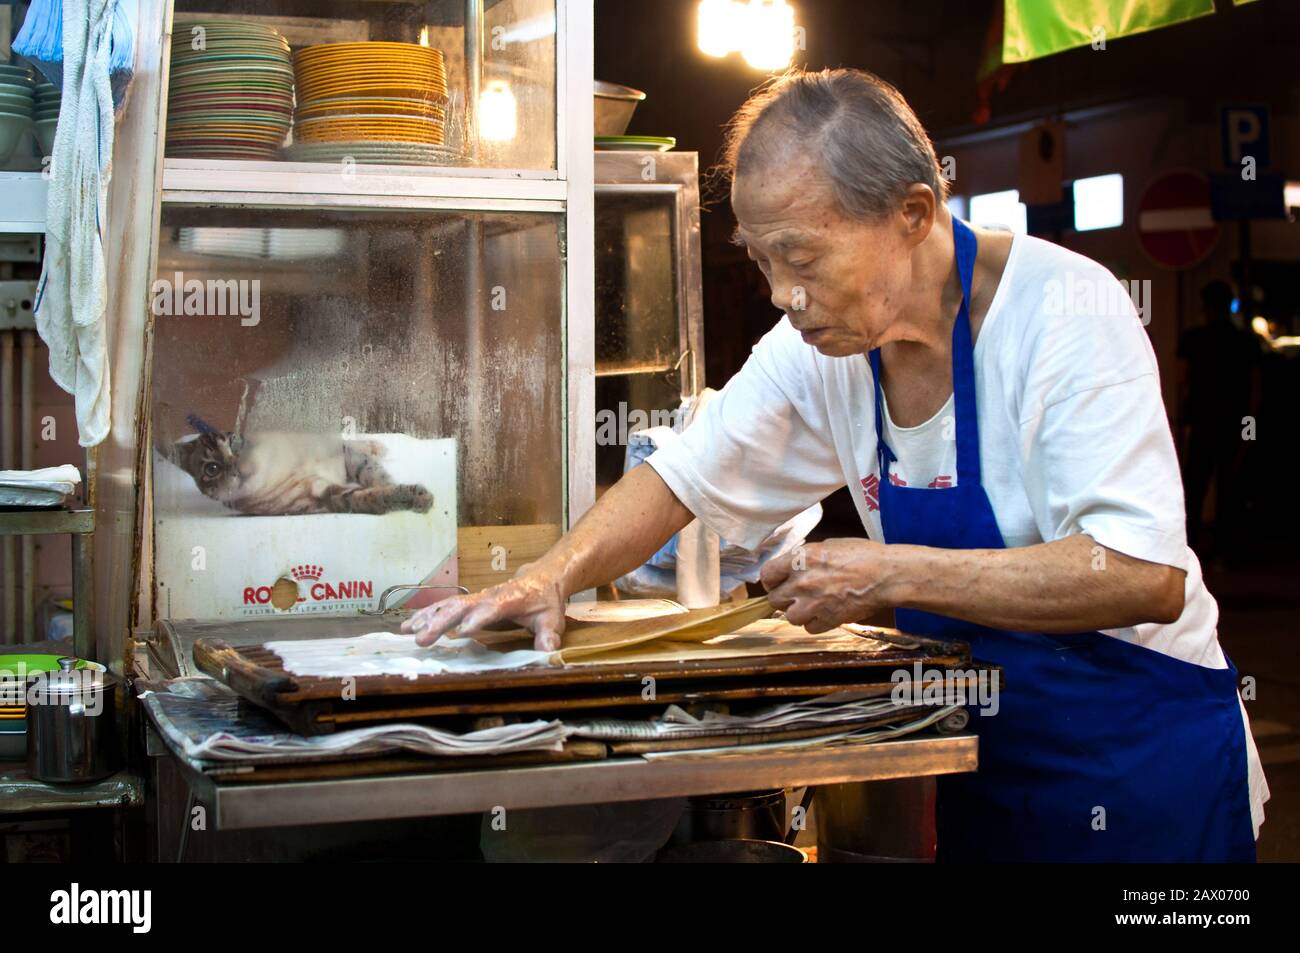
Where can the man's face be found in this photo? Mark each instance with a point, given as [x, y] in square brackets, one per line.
[842, 282]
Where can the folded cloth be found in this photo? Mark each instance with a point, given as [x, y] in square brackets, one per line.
[50, 486]
[72, 299]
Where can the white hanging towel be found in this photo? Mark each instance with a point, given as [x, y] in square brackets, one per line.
[72, 300]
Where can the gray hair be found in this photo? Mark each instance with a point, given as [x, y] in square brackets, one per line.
[871, 145]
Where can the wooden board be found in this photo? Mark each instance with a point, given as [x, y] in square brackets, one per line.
[311, 704]
[258, 673]
[477, 553]
[619, 697]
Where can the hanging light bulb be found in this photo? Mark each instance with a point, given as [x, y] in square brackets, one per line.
[498, 114]
[767, 37]
[717, 26]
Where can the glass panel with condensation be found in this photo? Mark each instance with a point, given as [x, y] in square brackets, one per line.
[340, 396]
[638, 345]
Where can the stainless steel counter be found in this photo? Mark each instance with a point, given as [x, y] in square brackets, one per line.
[244, 806]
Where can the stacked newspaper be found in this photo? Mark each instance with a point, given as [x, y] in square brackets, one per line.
[828, 711]
[206, 722]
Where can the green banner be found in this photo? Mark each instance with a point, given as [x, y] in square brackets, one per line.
[1037, 28]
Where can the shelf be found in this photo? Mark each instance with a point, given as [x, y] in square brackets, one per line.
[235, 806]
[231, 181]
[630, 368]
[21, 794]
[23, 209]
[46, 522]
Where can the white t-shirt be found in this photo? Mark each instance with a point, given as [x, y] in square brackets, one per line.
[1073, 439]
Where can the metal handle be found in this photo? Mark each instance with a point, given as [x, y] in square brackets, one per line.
[383, 597]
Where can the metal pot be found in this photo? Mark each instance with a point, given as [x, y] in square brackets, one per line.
[754, 815]
[614, 107]
[876, 822]
[732, 852]
[71, 726]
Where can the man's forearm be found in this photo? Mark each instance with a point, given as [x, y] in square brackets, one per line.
[627, 526]
[1070, 585]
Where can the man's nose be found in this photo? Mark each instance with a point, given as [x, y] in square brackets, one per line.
[782, 298]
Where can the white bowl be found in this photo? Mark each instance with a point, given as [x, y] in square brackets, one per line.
[12, 129]
[45, 130]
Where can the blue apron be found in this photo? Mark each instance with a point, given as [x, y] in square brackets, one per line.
[1101, 750]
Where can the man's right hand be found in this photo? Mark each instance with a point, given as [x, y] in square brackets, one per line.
[636, 516]
[534, 600]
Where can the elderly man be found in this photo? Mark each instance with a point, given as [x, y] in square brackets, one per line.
[1010, 459]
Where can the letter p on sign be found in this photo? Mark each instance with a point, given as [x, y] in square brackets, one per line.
[1245, 132]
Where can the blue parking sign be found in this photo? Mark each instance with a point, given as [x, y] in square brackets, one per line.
[1244, 130]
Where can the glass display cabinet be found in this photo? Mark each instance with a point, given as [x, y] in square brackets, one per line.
[649, 345]
[361, 350]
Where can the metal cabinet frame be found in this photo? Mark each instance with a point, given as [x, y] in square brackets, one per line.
[675, 174]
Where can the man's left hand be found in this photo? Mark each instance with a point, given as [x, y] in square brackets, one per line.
[822, 585]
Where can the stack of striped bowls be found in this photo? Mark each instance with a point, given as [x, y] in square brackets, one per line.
[375, 102]
[231, 90]
[49, 100]
[16, 107]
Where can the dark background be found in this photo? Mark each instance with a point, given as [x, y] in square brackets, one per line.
[931, 50]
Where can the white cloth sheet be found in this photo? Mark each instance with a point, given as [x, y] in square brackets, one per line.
[390, 653]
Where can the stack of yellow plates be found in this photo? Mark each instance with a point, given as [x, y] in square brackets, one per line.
[370, 92]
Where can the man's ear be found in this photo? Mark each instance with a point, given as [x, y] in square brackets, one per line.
[918, 211]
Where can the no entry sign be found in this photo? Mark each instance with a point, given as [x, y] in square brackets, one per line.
[1174, 224]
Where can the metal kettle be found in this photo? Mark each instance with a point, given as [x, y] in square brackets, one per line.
[72, 726]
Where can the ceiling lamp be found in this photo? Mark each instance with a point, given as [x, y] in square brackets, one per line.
[762, 31]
